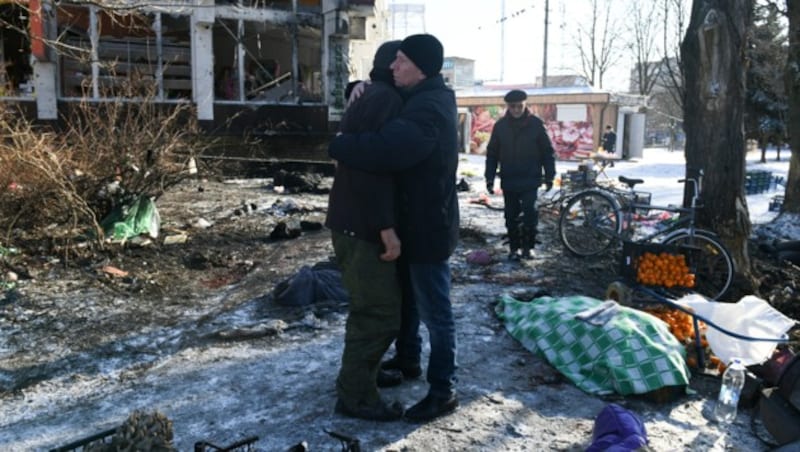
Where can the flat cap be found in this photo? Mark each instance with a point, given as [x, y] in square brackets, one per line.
[515, 95]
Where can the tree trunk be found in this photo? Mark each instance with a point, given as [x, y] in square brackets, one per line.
[714, 62]
[791, 202]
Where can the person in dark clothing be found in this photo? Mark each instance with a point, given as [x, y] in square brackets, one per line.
[520, 146]
[609, 140]
[361, 217]
[420, 148]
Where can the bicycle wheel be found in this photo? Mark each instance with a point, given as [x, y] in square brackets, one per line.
[589, 223]
[711, 263]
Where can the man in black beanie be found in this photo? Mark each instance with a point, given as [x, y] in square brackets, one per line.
[361, 217]
[420, 149]
[520, 145]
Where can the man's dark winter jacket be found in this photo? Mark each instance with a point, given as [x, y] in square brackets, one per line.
[361, 204]
[420, 147]
[523, 150]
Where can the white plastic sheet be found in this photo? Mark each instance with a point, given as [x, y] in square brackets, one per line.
[751, 317]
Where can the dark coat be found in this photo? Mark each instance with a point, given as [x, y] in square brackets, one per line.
[361, 204]
[609, 141]
[420, 148]
[523, 150]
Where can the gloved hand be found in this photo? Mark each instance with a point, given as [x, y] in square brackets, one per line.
[490, 187]
[548, 185]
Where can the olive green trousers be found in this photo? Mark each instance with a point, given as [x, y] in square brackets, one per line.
[373, 320]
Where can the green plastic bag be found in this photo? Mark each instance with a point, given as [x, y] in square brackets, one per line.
[132, 220]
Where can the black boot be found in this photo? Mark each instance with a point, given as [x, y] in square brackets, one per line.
[431, 407]
[388, 378]
[409, 369]
[528, 240]
[513, 244]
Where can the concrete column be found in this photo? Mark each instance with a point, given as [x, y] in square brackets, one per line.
[44, 79]
[45, 72]
[636, 135]
[202, 22]
[335, 60]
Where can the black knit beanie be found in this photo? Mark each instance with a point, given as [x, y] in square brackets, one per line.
[425, 51]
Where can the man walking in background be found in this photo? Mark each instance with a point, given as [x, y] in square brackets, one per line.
[420, 148]
[520, 146]
[609, 140]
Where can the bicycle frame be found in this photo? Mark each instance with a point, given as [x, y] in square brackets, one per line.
[686, 221]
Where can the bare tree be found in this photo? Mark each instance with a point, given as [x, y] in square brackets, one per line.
[597, 42]
[642, 32]
[675, 14]
[714, 63]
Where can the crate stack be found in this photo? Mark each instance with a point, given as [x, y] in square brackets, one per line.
[757, 181]
[580, 178]
[776, 203]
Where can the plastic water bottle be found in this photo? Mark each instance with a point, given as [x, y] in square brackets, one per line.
[732, 384]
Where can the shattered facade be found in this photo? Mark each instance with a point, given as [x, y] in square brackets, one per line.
[288, 60]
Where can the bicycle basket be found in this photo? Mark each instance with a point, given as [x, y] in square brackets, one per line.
[658, 265]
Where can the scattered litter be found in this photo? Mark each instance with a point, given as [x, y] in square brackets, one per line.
[349, 444]
[479, 257]
[138, 217]
[176, 239]
[290, 229]
[202, 223]
[241, 445]
[284, 207]
[617, 429]
[484, 200]
[114, 271]
[323, 281]
[245, 209]
[271, 328]
[140, 431]
[751, 317]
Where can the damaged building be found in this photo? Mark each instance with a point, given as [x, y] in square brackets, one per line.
[272, 71]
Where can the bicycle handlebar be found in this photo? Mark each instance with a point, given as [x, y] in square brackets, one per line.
[697, 186]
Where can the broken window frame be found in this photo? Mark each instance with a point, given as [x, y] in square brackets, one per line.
[24, 89]
[152, 64]
[243, 56]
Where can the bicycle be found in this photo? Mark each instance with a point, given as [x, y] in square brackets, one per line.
[594, 219]
[576, 181]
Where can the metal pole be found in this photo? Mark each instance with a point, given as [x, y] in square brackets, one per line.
[159, 55]
[240, 57]
[503, 41]
[95, 52]
[295, 46]
[544, 58]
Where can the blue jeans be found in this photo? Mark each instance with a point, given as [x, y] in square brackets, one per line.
[426, 298]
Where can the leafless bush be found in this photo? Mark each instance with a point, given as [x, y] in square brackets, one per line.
[58, 182]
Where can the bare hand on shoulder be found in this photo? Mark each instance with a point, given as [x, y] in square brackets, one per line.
[358, 90]
[391, 245]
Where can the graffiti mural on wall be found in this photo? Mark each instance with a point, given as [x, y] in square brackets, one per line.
[572, 140]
